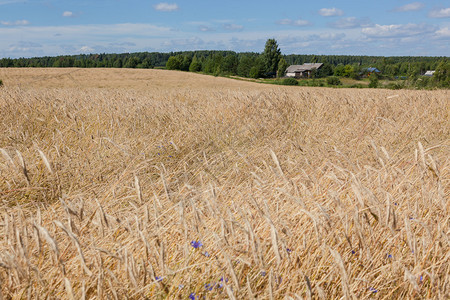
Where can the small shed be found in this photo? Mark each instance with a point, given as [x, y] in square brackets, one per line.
[429, 73]
[302, 71]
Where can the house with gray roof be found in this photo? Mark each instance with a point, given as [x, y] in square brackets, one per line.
[302, 71]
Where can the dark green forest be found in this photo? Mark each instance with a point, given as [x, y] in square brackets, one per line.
[268, 64]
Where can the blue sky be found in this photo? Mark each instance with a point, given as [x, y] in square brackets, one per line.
[379, 27]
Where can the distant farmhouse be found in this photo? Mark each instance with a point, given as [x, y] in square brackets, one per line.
[429, 73]
[369, 71]
[302, 71]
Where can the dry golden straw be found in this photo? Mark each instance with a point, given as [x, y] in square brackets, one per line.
[158, 184]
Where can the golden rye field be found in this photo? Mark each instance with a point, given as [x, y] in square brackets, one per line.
[158, 184]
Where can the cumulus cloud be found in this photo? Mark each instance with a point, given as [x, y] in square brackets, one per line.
[290, 22]
[410, 7]
[330, 12]
[351, 22]
[67, 14]
[397, 30]
[164, 6]
[233, 27]
[443, 32]
[440, 13]
[15, 23]
[86, 49]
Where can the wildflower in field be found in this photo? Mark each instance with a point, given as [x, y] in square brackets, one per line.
[192, 296]
[206, 254]
[288, 250]
[373, 290]
[353, 252]
[180, 286]
[158, 279]
[209, 287]
[263, 273]
[196, 244]
[389, 256]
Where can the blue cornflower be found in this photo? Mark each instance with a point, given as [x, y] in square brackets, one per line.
[222, 280]
[192, 296]
[421, 278]
[209, 287]
[389, 256]
[353, 252]
[288, 250]
[205, 253]
[158, 279]
[180, 286]
[373, 290]
[263, 273]
[395, 203]
[196, 244]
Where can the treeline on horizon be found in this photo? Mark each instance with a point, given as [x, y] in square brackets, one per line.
[246, 64]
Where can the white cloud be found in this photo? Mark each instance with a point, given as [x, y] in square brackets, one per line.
[351, 22]
[24, 46]
[327, 36]
[233, 27]
[290, 22]
[86, 34]
[15, 23]
[74, 39]
[410, 7]
[179, 44]
[205, 28]
[443, 32]
[330, 12]
[86, 49]
[440, 13]
[164, 6]
[67, 14]
[397, 30]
